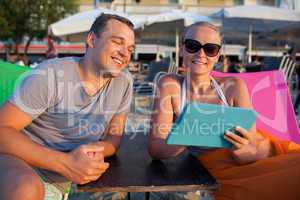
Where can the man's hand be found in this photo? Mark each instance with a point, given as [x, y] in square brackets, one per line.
[85, 163]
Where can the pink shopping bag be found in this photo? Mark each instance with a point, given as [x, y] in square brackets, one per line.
[271, 99]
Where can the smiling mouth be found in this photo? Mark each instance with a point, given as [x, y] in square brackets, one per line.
[118, 61]
[197, 62]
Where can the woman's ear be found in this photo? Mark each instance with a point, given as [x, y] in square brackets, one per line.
[180, 50]
[220, 53]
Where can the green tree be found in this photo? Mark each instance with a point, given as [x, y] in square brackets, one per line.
[20, 19]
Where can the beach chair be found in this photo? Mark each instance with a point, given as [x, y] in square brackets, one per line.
[172, 67]
[288, 66]
[271, 100]
[284, 63]
[10, 76]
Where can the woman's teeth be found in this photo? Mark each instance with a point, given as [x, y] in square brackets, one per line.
[198, 62]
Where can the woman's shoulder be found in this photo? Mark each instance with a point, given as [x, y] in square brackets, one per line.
[230, 82]
[169, 79]
[170, 83]
[234, 88]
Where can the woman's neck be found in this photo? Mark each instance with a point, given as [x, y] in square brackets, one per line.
[199, 84]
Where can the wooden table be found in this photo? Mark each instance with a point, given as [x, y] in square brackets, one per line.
[133, 170]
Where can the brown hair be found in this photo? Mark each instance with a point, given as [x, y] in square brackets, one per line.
[100, 23]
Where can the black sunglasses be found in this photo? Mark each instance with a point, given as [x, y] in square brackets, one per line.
[193, 46]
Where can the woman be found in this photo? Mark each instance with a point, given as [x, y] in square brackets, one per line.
[243, 171]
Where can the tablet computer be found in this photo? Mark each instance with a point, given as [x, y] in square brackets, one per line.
[204, 125]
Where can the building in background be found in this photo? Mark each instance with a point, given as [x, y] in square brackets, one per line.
[289, 4]
[205, 7]
[150, 7]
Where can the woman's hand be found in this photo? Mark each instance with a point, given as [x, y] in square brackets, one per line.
[245, 146]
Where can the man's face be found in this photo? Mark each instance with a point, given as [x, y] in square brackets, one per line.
[199, 62]
[111, 51]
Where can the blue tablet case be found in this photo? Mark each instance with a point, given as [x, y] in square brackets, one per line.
[205, 124]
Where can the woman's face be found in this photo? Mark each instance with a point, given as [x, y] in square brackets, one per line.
[202, 61]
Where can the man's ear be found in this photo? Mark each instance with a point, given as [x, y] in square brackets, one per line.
[90, 40]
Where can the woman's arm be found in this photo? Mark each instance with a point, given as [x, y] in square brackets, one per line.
[162, 120]
[251, 146]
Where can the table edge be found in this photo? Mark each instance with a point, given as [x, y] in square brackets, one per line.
[164, 188]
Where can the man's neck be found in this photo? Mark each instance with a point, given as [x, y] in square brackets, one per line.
[92, 80]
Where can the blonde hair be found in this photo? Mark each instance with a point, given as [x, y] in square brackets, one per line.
[201, 24]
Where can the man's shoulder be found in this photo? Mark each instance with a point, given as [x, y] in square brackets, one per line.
[124, 77]
[59, 63]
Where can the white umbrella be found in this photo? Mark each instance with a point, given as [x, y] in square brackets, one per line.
[166, 23]
[254, 19]
[175, 14]
[162, 24]
[82, 22]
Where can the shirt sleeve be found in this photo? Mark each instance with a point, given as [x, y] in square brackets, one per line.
[36, 92]
[125, 105]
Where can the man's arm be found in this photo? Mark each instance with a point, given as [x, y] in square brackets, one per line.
[15, 143]
[76, 165]
[114, 134]
[115, 128]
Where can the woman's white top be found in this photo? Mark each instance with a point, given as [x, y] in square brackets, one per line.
[199, 150]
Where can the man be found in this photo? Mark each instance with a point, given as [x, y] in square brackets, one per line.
[67, 115]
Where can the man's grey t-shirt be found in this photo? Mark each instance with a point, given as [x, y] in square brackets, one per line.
[64, 115]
